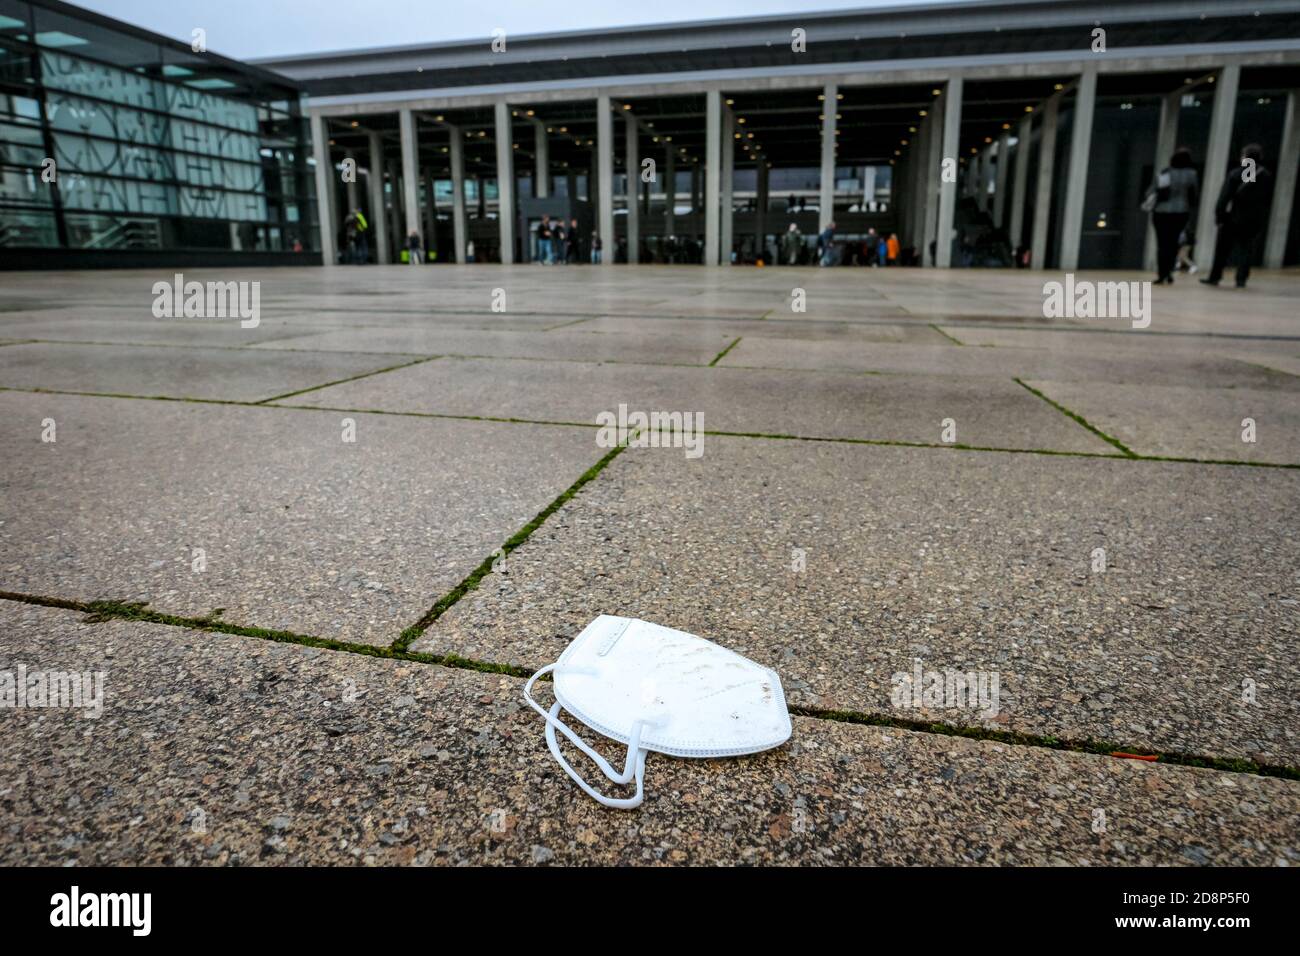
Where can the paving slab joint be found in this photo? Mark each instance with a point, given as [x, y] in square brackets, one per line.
[350, 378]
[1128, 452]
[718, 358]
[471, 582]
[1088, 746]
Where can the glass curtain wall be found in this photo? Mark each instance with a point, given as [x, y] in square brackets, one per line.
[109, 140]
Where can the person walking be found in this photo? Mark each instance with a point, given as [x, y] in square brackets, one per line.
[544, 240]
[791, 245]
[595, 248]
[826, 242]
[869, 246]
[571, 251]
[558, 242]
[1241, 213]
[414, 249]
[354, 233]
[891, 250]
[1170, 200]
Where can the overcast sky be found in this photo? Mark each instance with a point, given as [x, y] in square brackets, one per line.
[247, 29]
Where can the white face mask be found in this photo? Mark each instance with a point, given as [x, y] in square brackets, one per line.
[654, 688]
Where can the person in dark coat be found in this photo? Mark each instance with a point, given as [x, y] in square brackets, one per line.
[1241, 214]
[1173, 196]
[572, 251]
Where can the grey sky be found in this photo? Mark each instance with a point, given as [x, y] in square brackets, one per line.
[247, 29]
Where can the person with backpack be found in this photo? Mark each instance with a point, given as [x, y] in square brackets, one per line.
[1241, 214]
[1170, 200]
[414, 249]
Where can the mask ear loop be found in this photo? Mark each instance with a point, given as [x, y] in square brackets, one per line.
[634, 767]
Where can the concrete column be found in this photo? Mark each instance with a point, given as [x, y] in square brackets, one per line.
[410, 173]
[430, 215]
[670, 192]
[1288, 160]
[1166, 142]
[1020, 182]
[460, 228]
[1043, 194]
[826, 202]
[1076, 183]
[354, 200]
[760, 211]
[396, 238]
[918, 155]
[542, 161]
[393, 217]
[505, 182]
[1216, 161]
[932, 175]
[712, 175]
[1000, 187]
[605, 177]
[948, 191]
[378, 214]
[326, 213]
[988, 177]
[632, 161]
[727, 240]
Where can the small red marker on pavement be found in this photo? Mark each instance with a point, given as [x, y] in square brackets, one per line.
[1120, 753]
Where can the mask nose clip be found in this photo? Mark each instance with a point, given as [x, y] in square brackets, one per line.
[633, 767]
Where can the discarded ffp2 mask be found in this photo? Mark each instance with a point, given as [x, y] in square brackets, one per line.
[654, 688]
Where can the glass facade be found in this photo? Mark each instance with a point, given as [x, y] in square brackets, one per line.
[116, 140]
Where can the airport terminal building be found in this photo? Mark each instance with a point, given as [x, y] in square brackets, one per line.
[979, 134]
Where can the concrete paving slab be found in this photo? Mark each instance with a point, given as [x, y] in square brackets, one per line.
[841, 566]
[217, 750]
[241, 375]
[1184, 422]
[1060, 365]
[299, 529]
[810, 404]
[641, 347]
[419, 319]
[181, 332]
[773, 327]
[1133, 342]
